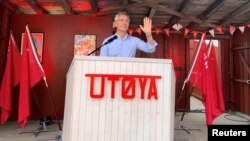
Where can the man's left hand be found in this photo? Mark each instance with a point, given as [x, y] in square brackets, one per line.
[147, 26]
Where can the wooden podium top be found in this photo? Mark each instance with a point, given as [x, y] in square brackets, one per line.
[121, 59]
[126, 59]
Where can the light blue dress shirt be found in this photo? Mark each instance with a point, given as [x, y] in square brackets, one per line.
[126, 47]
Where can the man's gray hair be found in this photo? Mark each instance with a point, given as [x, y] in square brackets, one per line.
[121, 13]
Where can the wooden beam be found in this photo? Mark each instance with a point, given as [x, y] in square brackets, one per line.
[37, 7]
[208, 12]
[139, 3]
[245, 22]
[174, 19]
[208, 36]
[242, 81]
[94, 5]
[11, 7]
[241, 48]
[188, 17]
[151, 3]
[66, 7]
[86, 12]
[148, 3]
[117, 8]
[212, 8]
[244, 61]
[124, 2]
[239, 11]
[152, 13]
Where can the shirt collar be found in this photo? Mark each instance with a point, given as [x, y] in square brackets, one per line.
[126, 36]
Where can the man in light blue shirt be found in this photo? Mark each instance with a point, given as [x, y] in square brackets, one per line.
[126, 45]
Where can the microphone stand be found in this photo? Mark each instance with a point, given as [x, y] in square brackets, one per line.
[96, 49]
[109, 41]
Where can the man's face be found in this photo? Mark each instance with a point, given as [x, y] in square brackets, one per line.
[122, 23]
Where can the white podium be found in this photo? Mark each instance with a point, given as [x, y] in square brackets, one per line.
[119, 99]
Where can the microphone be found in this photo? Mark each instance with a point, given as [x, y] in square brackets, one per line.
[107, 42]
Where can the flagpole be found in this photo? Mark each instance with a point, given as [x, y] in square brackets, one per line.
[195, 58]
[52, 103]
[38, 107]
[181, 127]
[209, 47]
[190, 70]
[43, 127]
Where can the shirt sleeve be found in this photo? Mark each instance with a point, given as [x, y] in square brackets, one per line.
[146, 47]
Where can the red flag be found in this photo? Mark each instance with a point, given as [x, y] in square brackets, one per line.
[11, 78]
[205, 76]
[31, 73]
[207, 92]
[213, 96]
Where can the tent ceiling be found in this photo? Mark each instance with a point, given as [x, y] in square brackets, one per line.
[200, 15]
